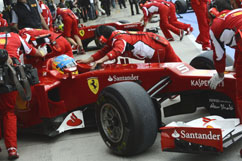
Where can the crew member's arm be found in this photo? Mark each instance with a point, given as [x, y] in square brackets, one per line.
[117, 50]
[44, 25]
[219, 58]
[30, 50]
[98, 55]
[14, 19]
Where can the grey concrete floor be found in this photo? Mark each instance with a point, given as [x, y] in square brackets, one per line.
[87, 144]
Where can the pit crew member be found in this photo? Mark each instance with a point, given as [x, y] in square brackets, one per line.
[12, 42]
[3, 22]
[200, 9]
[46, 15]
[27, 13]
[148, 46]
[226, 29]
[59, 43]
[151, 8]
[70, 21]
[173, 19]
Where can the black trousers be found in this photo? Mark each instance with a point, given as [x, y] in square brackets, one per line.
[106, 6]
[134, 2]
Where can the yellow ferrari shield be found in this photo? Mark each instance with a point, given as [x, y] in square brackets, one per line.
[93, 84]
[81, 32]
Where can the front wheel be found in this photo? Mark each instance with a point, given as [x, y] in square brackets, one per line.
[126, 118]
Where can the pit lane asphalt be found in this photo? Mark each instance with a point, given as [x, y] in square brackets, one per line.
[87, 144]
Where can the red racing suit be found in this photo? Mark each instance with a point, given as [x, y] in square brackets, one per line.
[70, 21]
[150, 47]
[201, 12]
[222, 33]
[63, 46]
[8, 100]
[172, 15]
[3, 22]
[239, 3]
[151, 8]
[47, 15]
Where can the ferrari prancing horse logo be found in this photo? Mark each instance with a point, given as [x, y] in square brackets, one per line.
[81, 32]
[93, 84]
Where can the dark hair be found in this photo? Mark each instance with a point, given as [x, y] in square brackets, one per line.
[9, 29]
[105, 31]
[221, 5]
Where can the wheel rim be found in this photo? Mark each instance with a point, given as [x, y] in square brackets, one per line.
[111, 122]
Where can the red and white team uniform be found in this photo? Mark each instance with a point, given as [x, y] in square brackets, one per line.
[47, 15]
[61, 46]
[222, 33]
[64, 46]
[201, 12]
[8, 100]
[151, 8]
[142, 46]
[239, 3]
[70, 21]
[172, 16]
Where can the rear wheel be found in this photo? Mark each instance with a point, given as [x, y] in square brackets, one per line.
[126, 118]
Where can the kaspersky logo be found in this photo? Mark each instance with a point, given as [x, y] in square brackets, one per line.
[195, 135]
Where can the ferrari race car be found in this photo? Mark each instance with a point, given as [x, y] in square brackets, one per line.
[122, 100]
[87, 35]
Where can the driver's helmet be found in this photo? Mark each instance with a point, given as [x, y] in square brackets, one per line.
[62, 62]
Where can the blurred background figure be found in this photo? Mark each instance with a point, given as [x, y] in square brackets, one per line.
[62, 4]
[201, 11]
[106, 6]
[132, 4]
[92, 10]
[122, 3]
[27, 13]
[46, 15]
[113, 3]
[99, 8]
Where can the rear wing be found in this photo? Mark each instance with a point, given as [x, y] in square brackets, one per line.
[207, 134]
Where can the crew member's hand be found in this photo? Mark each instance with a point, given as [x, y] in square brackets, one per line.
[215, 80]
[230, 69]
[82, 61]
[85, 61]
[96, 65]
[10, 61]
[43, 50]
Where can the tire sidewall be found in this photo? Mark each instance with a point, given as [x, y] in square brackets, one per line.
[119, 147]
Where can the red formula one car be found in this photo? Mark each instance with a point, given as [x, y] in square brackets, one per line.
[122, 100]
[86, 33]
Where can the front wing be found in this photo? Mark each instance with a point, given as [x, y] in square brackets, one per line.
[207, 134]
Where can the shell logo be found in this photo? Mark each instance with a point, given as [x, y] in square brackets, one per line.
[209, 126]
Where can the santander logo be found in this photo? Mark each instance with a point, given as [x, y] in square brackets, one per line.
[74, 121]
[195, 135]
